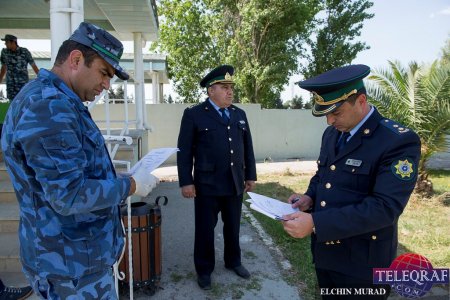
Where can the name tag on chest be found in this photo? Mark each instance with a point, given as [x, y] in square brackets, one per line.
[353, 162]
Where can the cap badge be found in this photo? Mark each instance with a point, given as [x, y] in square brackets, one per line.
[228, 76]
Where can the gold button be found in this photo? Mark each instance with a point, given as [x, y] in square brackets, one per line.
[366, 131]
[333, 167]
[332, 243]
[229, 139]
[328, 185]
[228, 127]
[338, 242]
[206, 129]
[386, 121]
[231, 151]
[401, 128]
[318, 162]
[232, 164]
[353, 170]
[395, 125]
[327, 243]
[374, 237]
[323, 203]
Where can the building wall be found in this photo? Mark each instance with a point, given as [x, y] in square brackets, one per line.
[277, 133]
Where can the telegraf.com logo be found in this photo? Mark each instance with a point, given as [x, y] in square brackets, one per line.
[411, 275]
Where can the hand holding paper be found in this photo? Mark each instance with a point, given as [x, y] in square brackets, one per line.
[153, 159]
[270, 207]
[145, 182]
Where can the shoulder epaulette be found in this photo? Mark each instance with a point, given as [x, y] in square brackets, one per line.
[394, 126]
[193, 105]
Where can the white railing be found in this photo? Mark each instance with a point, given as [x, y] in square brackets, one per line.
[121, 139]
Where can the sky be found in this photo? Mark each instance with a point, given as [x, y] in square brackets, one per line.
[403, 30]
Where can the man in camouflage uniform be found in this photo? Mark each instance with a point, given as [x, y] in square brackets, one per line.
[14, 61]
[69, 195]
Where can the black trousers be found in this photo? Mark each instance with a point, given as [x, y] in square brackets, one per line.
[207, 209]
[336, 286]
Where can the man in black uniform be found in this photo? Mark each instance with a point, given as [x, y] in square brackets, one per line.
[367, 169]
[215, 140]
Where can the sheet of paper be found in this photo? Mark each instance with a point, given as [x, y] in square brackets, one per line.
[255, 207]
[154, 159]
[270, 207]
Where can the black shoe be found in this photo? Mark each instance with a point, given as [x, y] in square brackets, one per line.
[11, 293]
[204, 282]
[241, 271]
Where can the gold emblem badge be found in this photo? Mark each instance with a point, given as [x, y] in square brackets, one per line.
[403, 169]
[228, 76]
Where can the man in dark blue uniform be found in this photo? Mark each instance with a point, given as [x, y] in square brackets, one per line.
[367, 169]
[215, 140]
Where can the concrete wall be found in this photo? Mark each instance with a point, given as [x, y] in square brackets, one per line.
[277, 133]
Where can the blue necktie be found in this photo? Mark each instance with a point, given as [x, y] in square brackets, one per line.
[342, 141]
[224, 115]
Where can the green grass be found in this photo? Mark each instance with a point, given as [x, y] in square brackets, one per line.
[441, 180]
[297, 251]
[423, 227]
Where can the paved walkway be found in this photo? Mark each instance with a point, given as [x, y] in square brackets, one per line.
[259, 255]
[261, 258]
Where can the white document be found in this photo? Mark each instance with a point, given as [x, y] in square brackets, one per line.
[154, 159]
[270, 207]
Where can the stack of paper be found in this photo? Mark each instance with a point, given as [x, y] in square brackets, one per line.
[270, 207]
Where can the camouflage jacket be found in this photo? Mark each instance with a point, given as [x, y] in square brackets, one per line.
[64, 181]
[16, 68]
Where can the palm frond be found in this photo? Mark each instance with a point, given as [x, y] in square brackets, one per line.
[418, 97]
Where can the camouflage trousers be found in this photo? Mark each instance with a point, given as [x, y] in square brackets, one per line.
[93, 286]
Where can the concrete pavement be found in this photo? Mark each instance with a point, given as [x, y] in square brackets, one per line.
[259, 255]
[179, 279]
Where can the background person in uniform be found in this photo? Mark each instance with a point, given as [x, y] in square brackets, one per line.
[15, 60]
[215, 140]
[13, 293]
[70, 231]
[367, 169]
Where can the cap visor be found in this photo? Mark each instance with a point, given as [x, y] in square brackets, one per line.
[323, 110]
[118, 69]
[122, 74]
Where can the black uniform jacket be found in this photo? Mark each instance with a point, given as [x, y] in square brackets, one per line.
[220, 153]
[359, 195]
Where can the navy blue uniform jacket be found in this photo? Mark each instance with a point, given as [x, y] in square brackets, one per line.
[359, 195]
[220, 153]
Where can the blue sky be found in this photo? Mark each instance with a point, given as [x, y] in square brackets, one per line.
[403, 30]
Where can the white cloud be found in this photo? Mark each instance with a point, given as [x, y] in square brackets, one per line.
[445, 11]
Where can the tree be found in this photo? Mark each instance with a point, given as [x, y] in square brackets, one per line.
[168, 99]
[418, 97]
[111, 93]
[295, 103]
[333, 44]
[268, 38]
[263, 39]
